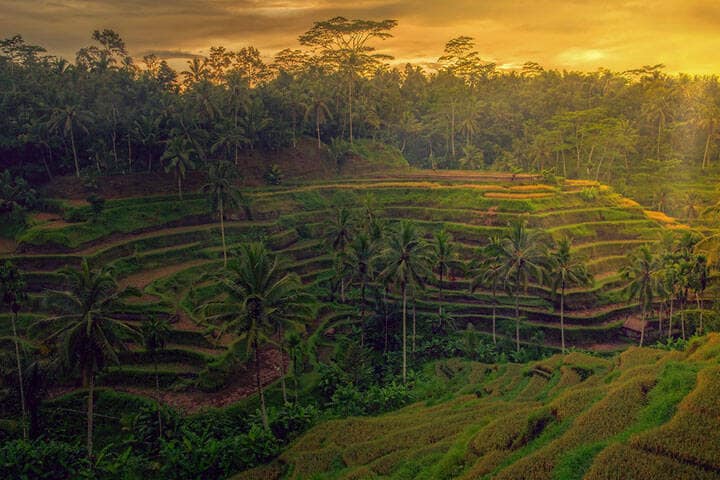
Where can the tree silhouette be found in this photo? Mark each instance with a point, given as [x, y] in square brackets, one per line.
[406, 260]
[566, 271]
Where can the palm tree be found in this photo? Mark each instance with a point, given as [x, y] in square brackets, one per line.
[407, 261]
[155, 333]
[89, 333]
[523, 256]
[296, 349]
[467, 121]
[260, 295]
[707, 118]
[230, 138]
[12, 289]
[338, 230]
[178, 158]
[338, 233]
[566, 271]
[361, 259]
[316, 105]
[487, 271]
[146, 129]
[67, 119]
[472, 158]
[699, 277]
[254, 120]
[223, 194]
[444, 258]
[641, 272]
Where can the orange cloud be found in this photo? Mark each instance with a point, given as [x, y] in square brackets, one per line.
[568, 34]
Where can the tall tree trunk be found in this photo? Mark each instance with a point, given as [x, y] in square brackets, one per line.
[258, 385]
[129, 145]
[157, 397]
[222, 230]
[385, 311]
[45, 162]
[700, 309]
[642, 327]
[670, 318]
[707, 149]
[281, 344]
[562, 317]
[452, 129]
[75, 156]
[179, 180]
[21, 384]
[414, 329]
[317, 131]
[362, 314]
[494, 308]
[682, 317]
[90, 406]
[350, 111]
[235, 123]
[404, 332]
[440, 305]
[517, 320]
[149, 160]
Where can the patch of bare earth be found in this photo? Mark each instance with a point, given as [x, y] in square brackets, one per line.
[242, 386]
[146, 277]
[7, 245]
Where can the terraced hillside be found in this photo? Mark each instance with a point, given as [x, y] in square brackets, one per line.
[645, 414]
[166, 248]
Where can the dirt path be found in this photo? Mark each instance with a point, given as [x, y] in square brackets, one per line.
[146, 277]
[242, 386]
[7, 245]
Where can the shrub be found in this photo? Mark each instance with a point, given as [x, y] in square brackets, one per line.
[347, 401]
[97, 204]
[199, 456]
[42, 460]
[273, 175]
[289, 421]
[589, 194]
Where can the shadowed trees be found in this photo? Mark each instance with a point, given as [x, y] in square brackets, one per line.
[260, 296]
[486, 269]
[565, 270]
[223, 194]
[406, 260]
[88, 333]
[641, 272]
[155, 334]
[12, 291]
[524, 256]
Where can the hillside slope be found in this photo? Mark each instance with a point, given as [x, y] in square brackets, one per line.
[644, 414]
[167, 248]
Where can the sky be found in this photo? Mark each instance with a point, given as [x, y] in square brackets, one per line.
[565, 34]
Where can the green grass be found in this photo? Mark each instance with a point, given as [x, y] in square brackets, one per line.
[528, 426]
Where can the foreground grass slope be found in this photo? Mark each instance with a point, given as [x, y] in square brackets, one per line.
[643, 414]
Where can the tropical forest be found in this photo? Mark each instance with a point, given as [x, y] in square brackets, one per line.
[329, 259]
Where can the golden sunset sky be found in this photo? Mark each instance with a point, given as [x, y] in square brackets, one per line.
[565, 34]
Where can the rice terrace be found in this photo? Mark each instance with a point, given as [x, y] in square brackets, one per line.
[343, 260]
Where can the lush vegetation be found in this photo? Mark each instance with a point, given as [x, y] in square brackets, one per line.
[109, 113]
[567, 417]
[341, 302]
[305, 305]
